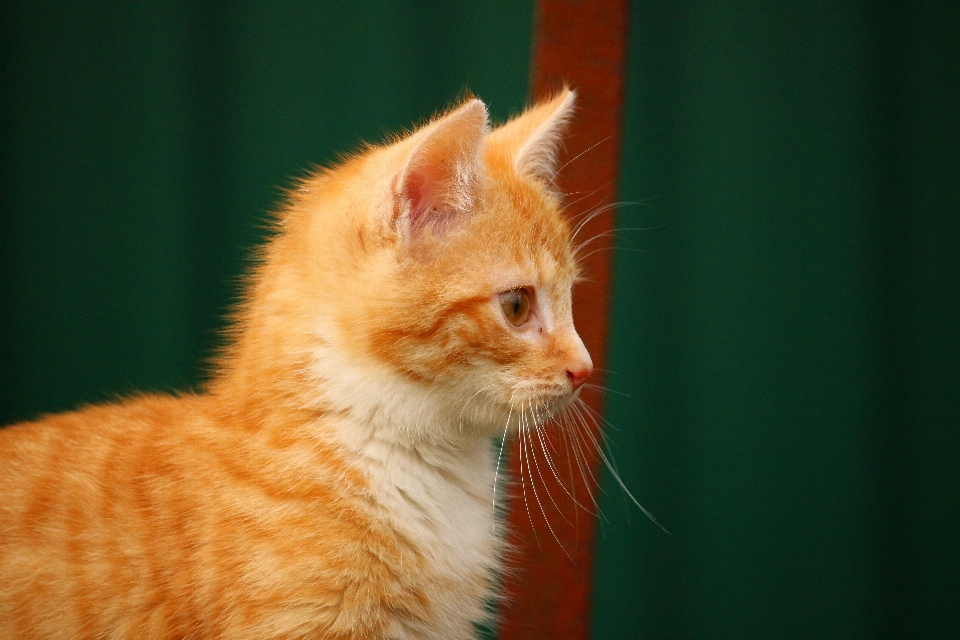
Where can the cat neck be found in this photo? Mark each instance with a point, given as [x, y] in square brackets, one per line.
[360, 406]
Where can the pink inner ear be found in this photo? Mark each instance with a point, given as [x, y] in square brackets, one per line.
[423, 190]
[419, 191]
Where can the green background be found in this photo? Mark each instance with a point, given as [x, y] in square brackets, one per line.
[789, 332]
[785, 327]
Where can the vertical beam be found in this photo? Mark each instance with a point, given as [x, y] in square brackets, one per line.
[547, 588]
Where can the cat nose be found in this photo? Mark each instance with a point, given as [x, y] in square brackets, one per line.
[578, 375]
[579, 364]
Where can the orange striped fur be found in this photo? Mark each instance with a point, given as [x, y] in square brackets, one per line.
[335, 477]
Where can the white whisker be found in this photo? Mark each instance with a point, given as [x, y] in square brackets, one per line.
[523, 486]
[611, 468]
[544, 446]
[496, 472]
[533, 486]
[580, 459]
[590, 148]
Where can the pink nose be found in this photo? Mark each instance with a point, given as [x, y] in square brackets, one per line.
[578, 376]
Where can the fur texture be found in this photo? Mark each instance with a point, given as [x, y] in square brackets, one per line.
[335, 478]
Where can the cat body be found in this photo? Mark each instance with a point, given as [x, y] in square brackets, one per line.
[335, 479]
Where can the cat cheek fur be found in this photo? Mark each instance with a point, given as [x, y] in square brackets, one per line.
[335, 478]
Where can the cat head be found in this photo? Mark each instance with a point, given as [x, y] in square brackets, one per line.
[430, 280]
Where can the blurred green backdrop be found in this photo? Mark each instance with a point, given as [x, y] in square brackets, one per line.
[789, 329]
[786, 329]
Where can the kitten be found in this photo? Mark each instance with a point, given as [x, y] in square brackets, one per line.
[335, 478]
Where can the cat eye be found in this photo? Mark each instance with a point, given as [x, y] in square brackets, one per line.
[516, 305]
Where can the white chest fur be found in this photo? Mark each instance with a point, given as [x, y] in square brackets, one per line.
[432, 481]
[441, 499]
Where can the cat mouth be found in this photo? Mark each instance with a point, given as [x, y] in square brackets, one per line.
[547, 405]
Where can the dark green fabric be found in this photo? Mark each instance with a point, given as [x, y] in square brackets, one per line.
[787, 326]
[143, 144]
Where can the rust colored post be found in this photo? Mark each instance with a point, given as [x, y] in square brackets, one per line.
[547, 588]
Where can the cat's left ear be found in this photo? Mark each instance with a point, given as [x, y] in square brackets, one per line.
[440, 167]
[533, 139]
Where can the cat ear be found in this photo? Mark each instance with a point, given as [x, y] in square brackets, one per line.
[438, 177]
[534, 137]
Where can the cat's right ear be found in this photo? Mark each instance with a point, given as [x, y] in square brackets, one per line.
[439, 172]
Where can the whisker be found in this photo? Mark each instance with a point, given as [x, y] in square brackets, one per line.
[584, 435]
[605, 389]
[596, 211]
[580, 458]
[523, 486]
[586, 256]
[604, 234]
[550, 464]
[580, 199]
[536, 495]
[496, 472]
[588, 213]
[590, 148]
[615, 232]
[611, 371]
[613, 472]
[573, 484]
[603, 207]
[597, 417]
[545, 487]
[545, 446]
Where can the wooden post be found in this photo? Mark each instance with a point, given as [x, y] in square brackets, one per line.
[547, 588]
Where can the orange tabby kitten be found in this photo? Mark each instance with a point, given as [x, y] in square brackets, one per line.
[335, 478]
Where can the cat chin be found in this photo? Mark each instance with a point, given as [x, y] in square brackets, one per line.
[533, 413]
